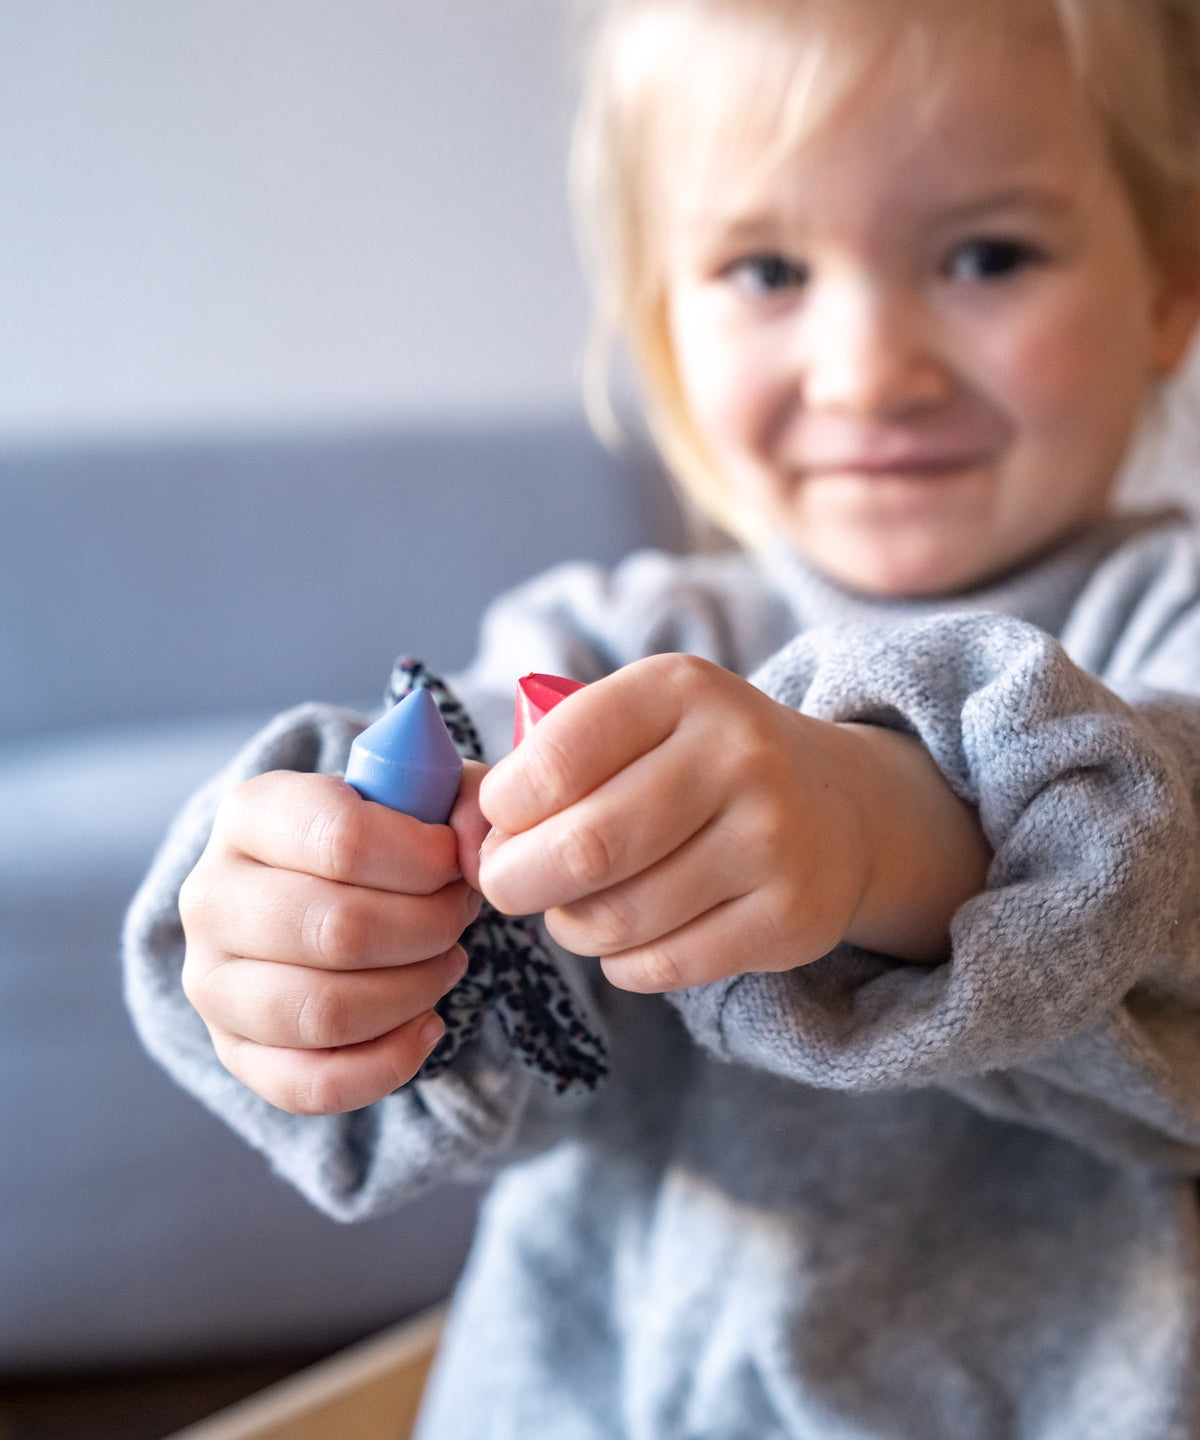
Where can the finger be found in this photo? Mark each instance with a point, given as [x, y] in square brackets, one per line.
[704, 873]
[584, 740]
[331, 1082]
[319, 825]
[632, 822]
[293, 1007]
[750, 933]
[468, 822]
[243, 908]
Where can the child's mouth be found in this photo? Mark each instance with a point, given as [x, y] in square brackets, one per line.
[919, 466]
[950, 444]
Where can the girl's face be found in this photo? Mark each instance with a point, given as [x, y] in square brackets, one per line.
[917, 348]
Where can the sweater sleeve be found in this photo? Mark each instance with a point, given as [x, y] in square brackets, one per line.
[486, 1108]
[1071, 997]
[459, 1125]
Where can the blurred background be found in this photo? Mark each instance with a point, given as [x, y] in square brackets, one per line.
[287, 214]
[290, 327]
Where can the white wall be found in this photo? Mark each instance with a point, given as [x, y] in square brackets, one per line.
[263, 213]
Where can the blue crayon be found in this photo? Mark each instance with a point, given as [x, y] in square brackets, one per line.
[407, 761]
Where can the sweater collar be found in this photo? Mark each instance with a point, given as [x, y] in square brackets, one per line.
[1043, 592]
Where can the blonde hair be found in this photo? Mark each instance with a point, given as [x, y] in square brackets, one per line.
[1137, 62]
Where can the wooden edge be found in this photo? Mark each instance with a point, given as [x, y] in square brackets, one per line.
[408, 1346]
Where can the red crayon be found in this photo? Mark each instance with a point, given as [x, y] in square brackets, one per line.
[536, 694]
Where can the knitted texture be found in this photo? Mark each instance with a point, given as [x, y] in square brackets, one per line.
[861, 1198]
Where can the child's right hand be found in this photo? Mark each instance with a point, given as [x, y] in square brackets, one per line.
[321, 930]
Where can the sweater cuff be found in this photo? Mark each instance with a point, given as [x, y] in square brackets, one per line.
[1090, 823]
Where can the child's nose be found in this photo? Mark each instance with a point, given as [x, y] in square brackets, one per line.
[867, 353]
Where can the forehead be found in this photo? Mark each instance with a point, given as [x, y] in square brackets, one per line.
[935, 92]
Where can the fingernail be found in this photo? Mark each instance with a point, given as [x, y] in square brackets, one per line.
[431, 1032]
[462, 963]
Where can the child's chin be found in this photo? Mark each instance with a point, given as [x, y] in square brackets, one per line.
[901, 572]
[901, 542]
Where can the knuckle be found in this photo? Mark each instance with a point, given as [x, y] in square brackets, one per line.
[196, 982]
[682, 669]
[335, 837]
[659, 971]
[750, 757]
[761, 834]
[547, 770]
[764, 928]
[602, 922]
[304, 1088]
[230, 1052]
[238, 810]
[330, 1086]
[587, 857]
[683, 675]
[195, 899]
[770, 837]
[315, 1090]
[230, 809]
[336, 933]
[244, 1059]
[321, 1017]
[773, 924]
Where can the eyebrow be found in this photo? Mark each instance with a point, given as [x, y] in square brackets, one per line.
[1014, 197]
[735, 227]
[732, 225]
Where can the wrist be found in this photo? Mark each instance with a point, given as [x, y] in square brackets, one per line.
[923, 853]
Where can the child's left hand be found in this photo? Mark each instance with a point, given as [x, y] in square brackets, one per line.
[682, 826]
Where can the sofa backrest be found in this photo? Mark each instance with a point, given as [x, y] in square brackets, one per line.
[157, 580]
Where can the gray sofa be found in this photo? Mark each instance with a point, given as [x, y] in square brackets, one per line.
[156, 603]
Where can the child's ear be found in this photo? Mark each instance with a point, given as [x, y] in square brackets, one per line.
[1177, 310]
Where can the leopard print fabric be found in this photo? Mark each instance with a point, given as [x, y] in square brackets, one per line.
[508, 971]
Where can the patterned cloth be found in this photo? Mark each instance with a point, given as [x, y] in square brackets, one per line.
[509, 971]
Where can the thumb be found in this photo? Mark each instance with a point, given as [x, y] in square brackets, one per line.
[467, 821]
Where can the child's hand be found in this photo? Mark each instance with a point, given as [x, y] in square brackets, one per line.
[321, 930]
[679, 824]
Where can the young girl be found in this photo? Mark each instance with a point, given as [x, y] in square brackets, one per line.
[898, 940]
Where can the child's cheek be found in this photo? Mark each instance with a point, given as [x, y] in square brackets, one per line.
[734, 405]
[1044, 370]
[724, 377]
[1079, 357]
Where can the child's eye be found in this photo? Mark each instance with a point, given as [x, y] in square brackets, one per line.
[766, 274]
[988, 259]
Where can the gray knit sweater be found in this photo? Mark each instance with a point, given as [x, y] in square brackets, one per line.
[861, 1199]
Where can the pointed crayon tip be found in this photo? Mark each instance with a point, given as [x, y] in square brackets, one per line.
[536, 694]
[407, 761]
